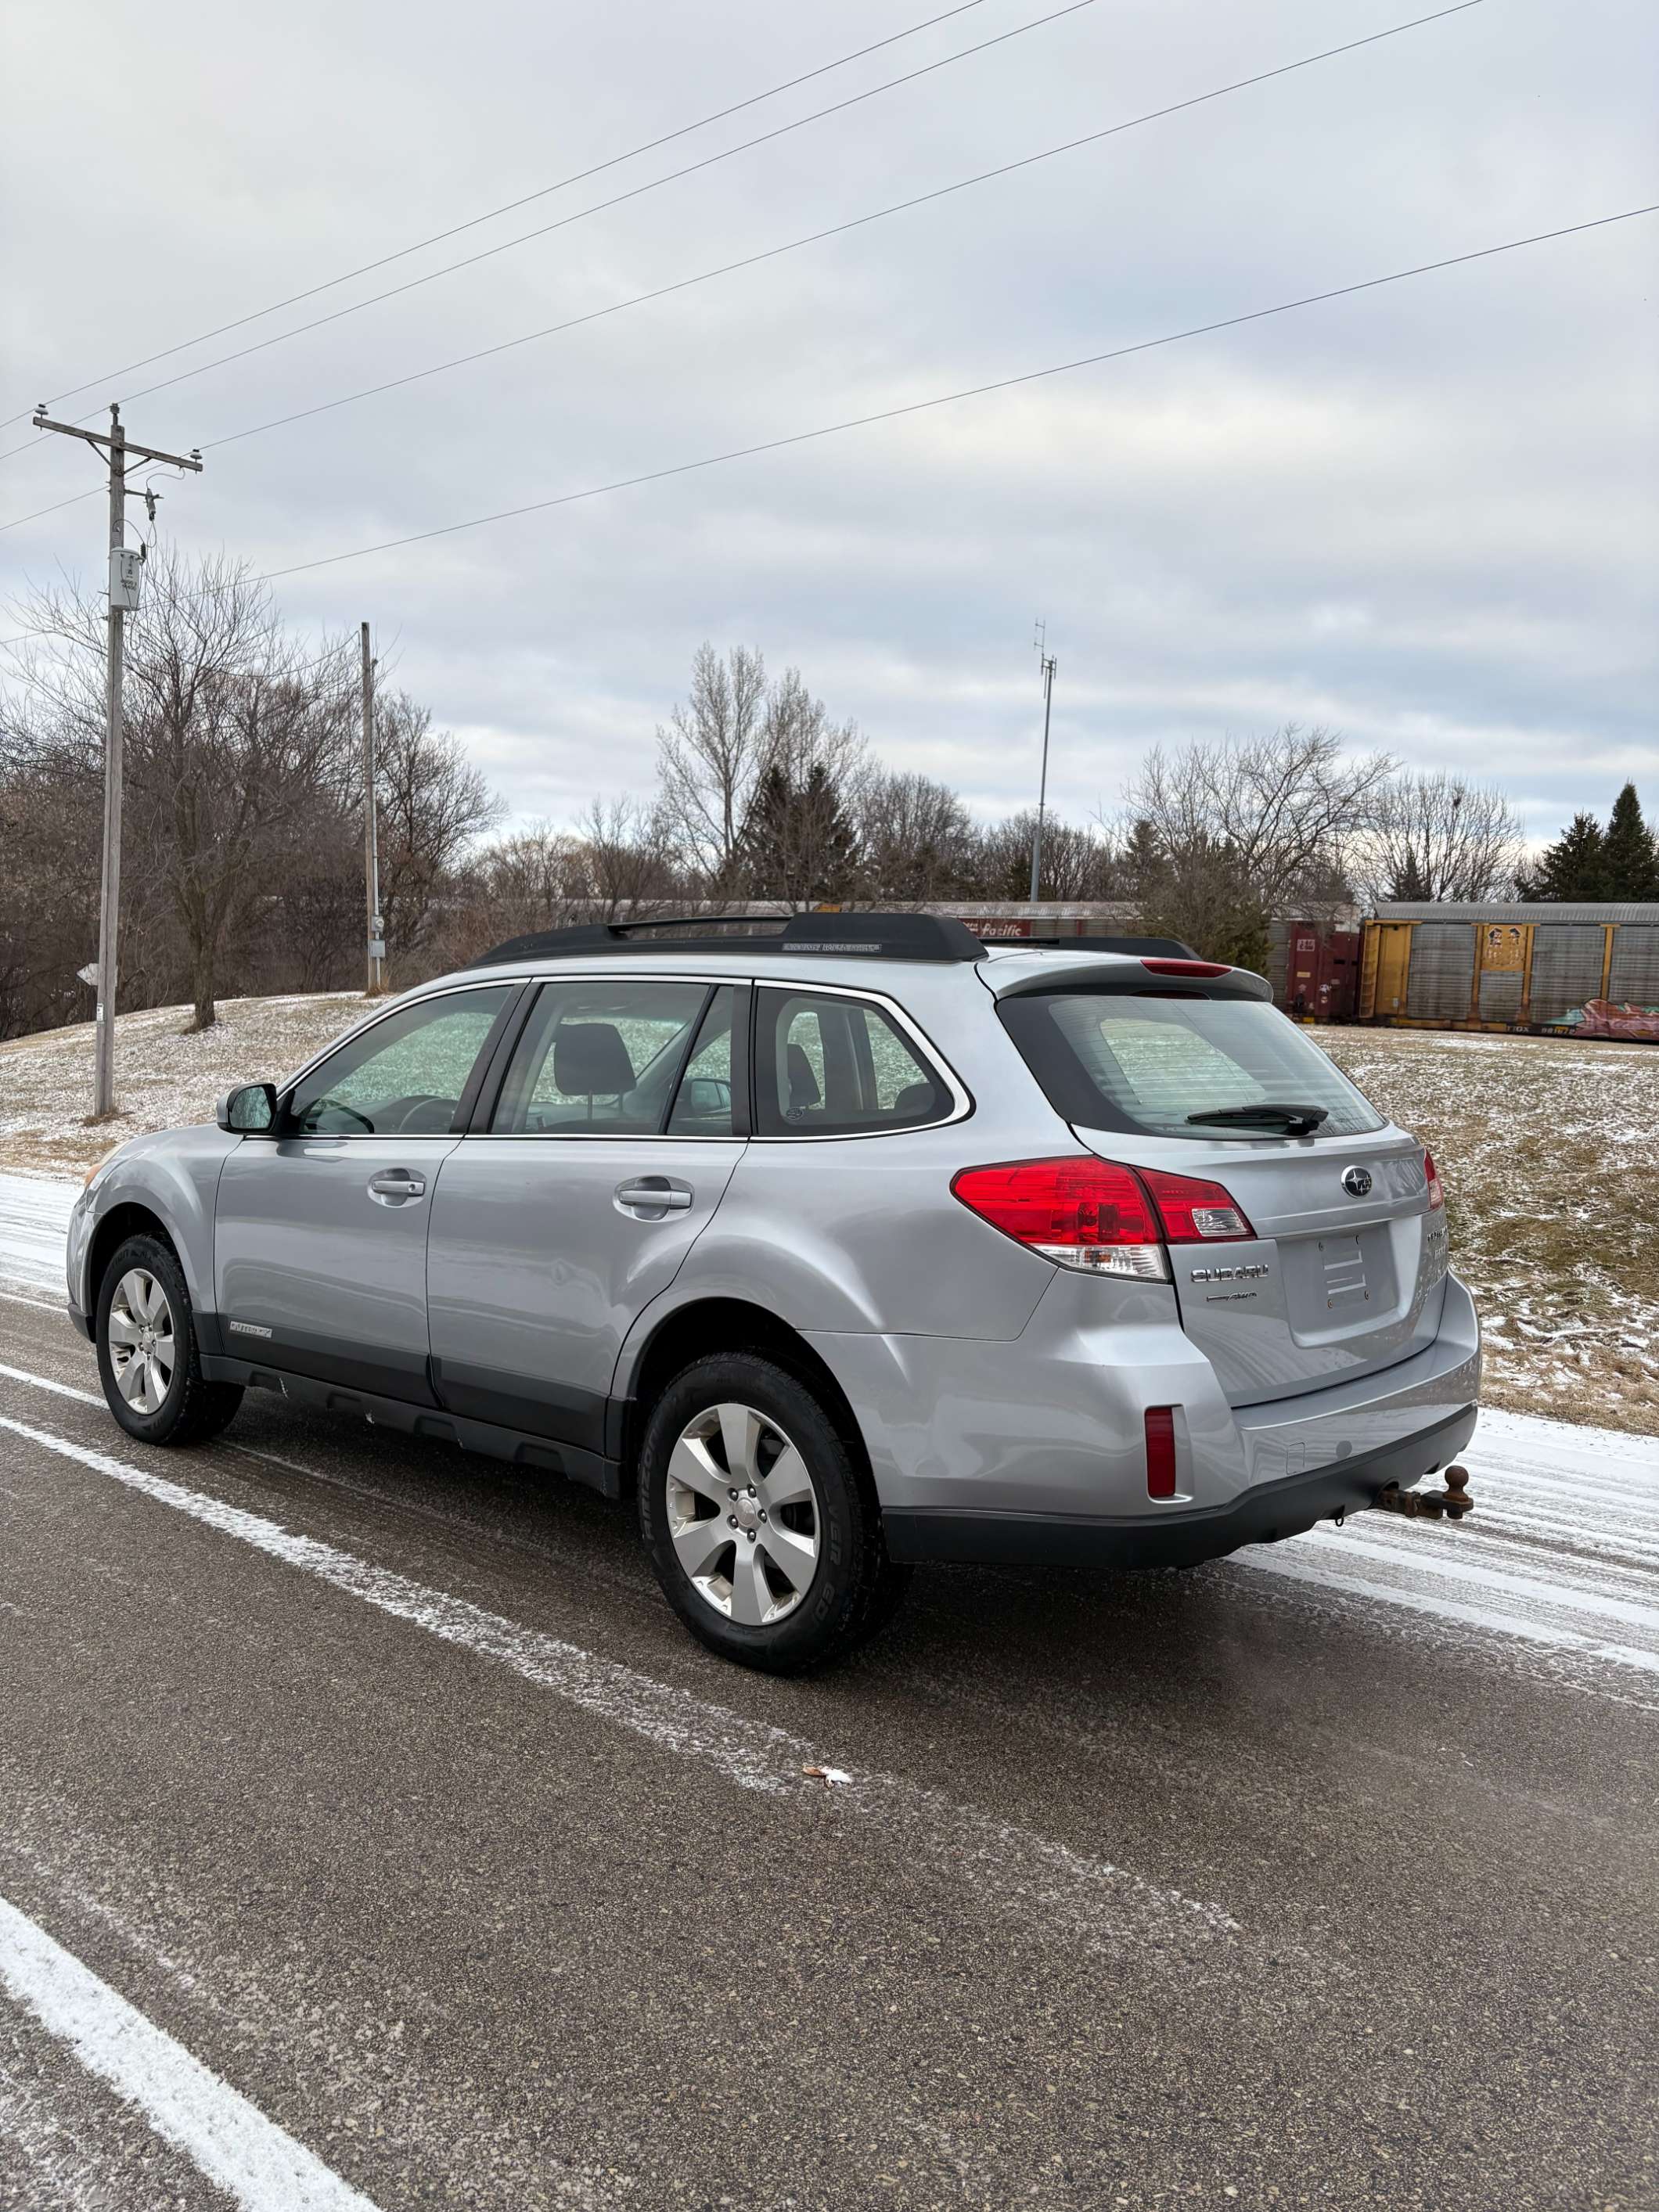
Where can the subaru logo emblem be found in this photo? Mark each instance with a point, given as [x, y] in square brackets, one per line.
[1356, 1182]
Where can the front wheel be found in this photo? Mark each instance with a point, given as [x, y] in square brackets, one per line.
[149, 1361]
[759, 1524]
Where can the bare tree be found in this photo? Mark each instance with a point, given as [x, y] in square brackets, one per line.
[1078, 863]
[430, 804]
[1438, 837]
[710, 757]
[915, 839]
[624, 857]
[232, 732]
[1243, 830]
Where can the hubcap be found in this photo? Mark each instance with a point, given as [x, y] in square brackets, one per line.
[141, 1340]
[742, 1514]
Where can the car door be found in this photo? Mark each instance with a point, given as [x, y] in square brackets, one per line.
[320, 1227]
[614, 1136]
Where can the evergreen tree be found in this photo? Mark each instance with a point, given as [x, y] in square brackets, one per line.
[1409, 880]
[1629, 856]
[797, 844]
[1575, 867]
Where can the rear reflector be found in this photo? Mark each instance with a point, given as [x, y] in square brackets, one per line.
[1187, 967]
[1160, 1451]
[1436, 1188]
[1193, 1211]
[1079, 1211]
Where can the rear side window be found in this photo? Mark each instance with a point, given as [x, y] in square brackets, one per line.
[598, 1060]
[702, 1104]
[838, 1068]
[1108, 1061]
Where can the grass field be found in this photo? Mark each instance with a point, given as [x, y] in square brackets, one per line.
[1550, 1151]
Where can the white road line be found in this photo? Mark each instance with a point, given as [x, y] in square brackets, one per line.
[16, 1298]
[1089, 1900]
[258, 2164]
[45, 1382]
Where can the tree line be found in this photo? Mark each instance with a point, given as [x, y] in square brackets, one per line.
[1587, 861]
[244, 821]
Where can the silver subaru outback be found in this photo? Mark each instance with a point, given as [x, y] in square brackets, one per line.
[842, 1242]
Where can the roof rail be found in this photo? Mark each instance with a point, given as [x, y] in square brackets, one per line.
[871, 936]
[1138, 948]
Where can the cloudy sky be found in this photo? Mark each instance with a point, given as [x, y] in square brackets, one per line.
[1424, 515]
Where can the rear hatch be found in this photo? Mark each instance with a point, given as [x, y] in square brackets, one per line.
[1330, 1286]
[1336, 1268]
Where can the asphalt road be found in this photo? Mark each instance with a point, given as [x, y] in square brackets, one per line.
[369, 1831]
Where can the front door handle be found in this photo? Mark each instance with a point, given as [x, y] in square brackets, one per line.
[396, 1187]
[655, 1196]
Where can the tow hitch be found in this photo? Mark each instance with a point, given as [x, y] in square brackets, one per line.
[1454, 1500]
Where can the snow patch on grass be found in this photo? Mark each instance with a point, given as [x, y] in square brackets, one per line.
[1550, 1156]
[166, 1073]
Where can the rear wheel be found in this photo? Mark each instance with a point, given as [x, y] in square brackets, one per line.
[758, 1520]
[149, 1361]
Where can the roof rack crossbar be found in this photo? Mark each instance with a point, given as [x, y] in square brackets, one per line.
[867, 936]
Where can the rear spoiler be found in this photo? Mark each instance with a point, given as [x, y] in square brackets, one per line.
[1150, 975]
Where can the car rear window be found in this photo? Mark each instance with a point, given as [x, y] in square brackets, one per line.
[1110, 1061]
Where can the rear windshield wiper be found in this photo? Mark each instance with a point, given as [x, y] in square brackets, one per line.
[1293, 1121]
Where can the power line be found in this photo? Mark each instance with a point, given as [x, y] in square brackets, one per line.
[508, 207]
[618, 200]
[812, 238]
[943, 399]
[950, 398]
[833, 230]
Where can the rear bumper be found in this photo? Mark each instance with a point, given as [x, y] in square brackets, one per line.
[1264, 1514]
[1036, 1448]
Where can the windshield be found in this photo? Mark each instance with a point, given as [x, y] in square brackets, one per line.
[1111, 1062]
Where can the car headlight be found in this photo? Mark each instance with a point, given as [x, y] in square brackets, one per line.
[97, 1166]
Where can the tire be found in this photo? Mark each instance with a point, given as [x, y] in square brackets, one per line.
[143, 1310]
[787, 1574]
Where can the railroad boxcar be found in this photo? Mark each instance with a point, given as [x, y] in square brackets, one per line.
[1584, 971]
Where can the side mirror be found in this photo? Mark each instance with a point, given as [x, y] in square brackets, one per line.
[249, 1112]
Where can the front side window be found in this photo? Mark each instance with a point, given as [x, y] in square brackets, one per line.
[404, 1076]
[1165, 1065]
[599, 1060]
[838, 1068]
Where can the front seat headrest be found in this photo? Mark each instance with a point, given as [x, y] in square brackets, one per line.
[590, 1060]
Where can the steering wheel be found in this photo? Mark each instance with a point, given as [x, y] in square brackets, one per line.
[338, 1106]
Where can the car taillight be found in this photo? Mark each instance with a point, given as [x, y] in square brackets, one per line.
[1436, 1188]
[1188, 967]
[1193, 1211]
[1081, 1212]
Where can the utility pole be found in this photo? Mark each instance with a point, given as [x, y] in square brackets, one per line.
[371, 837]
[1039, 642]
[124, 572]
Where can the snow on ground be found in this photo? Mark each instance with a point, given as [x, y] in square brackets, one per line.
[1550, 1153]
[1559, 1560]
[33, 1225]
[166, 1074]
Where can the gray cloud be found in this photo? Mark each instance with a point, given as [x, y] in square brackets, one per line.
[1424, 515]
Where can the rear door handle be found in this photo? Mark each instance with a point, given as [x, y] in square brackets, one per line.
[654, 1195]
[396, 1187]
